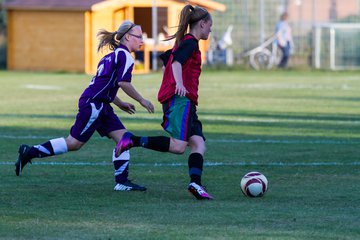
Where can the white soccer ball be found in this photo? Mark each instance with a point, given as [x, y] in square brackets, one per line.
[254, 184]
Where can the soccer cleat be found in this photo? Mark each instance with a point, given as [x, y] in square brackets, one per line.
[129, 186]
[124, 144]
[199, 191]
[23, 159]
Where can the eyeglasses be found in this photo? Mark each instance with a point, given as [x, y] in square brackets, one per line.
[137, 36]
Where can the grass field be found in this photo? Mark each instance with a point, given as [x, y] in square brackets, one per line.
[301, 129]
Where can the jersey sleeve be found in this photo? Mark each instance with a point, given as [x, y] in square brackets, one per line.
[165, 56]
[185, 50]
[128, 75]
[124, 67]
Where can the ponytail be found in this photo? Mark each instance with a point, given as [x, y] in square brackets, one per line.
[107, 38]
[113, 39]
[188, 17]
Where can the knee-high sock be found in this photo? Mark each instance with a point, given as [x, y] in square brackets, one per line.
[158, 143]
[121, 166]
[195, 163]
[55, 146]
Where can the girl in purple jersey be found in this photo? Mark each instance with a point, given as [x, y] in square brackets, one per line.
[95, 112]
[178, 95]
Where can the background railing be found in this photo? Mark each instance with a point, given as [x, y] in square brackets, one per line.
[254, 22]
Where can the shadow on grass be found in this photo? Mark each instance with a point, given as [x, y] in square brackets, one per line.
[216, 114]
[239, 127]
[282, 115]
[35, 134]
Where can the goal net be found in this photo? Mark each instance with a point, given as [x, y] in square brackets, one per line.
[336, 46]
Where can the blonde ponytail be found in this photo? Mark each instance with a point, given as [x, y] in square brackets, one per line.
[113, 39]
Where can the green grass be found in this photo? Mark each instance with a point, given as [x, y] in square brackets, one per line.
[301, 129]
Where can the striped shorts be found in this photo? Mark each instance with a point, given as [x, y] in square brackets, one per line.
[180, 119]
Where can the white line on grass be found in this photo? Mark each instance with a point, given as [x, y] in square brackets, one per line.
[210, 164]
[43, 87]
[272, 141]
[258, 140]
[271, 86]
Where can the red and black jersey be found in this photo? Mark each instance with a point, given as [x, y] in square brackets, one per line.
[189, 56]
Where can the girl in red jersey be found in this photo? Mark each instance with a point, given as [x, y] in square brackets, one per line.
[178, 95]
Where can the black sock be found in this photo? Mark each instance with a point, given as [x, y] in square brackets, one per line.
[195, 163]
[160, 143]
[136, 140]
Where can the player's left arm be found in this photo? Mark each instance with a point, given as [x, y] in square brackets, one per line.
[129, 89]
[125, 106]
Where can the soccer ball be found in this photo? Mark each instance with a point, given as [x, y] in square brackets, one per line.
[254, 184]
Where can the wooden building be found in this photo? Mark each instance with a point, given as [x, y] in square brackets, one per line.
[60, 35]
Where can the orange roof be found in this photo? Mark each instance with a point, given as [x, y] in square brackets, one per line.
[50, 4]
[83, 5]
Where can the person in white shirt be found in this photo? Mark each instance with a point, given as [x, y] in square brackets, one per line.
[284, 39]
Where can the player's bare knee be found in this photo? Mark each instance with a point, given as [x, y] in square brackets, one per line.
[77, 146]
[177, 149]
[73, 144]
[202, 148]
[197, 146]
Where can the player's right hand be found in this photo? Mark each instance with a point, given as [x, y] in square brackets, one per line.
[147, 105]
[180, 90]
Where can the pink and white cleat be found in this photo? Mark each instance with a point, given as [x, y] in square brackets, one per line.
[199, 191]
[124, 144]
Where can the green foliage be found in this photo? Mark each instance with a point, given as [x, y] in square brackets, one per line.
[301, 129]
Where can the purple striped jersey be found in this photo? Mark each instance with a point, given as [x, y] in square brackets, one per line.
[113, 68]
